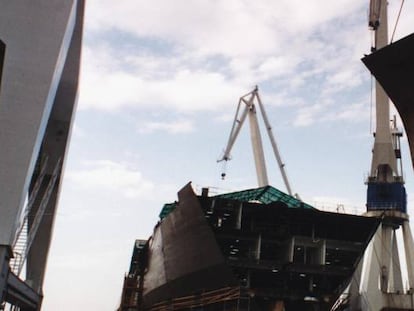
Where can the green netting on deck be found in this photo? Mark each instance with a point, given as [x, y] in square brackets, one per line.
[265, 195]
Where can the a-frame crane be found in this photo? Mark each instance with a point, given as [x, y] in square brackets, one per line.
[247, 107]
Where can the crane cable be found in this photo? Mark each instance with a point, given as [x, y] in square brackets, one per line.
[396, 22]
[371, 128]
[224, 170]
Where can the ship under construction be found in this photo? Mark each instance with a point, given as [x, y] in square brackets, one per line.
[258, 249]
[263, 249]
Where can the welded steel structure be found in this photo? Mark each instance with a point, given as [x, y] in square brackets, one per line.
[40, 45]
[258, 249]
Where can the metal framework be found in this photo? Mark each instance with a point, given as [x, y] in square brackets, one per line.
[40, 46]
[265, 195]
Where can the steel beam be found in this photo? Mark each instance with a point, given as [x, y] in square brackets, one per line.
[38, 91]
[22, 295]
[5, 254]
[2, 54]
[55, 145]
[37, 46]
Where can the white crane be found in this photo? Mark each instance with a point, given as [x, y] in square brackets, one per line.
[378, 283]
[384, 166]
[248, 101]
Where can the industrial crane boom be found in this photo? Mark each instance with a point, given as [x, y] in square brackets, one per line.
[250, 110]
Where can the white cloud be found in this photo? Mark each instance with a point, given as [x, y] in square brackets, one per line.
[254, 27]
[285, 42]
[77, 131]
[110, 176]
[288, 44]
[346, 79]
[109, 86]
[352, 112]
[174, 127]
[308, 115]
[329, 111]
[224, 117]
[275, 67]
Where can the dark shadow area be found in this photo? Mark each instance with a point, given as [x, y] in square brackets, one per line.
[2, 55]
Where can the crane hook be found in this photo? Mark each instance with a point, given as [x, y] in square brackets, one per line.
[224, 169]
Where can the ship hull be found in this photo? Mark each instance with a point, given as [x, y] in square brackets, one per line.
[260, 255]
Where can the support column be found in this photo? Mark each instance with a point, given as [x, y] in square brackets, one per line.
[384, 257]
[4, 249]
[38, 92]
[258, 153]
[395, 282]
[258, 246]
[370, 294]
[353, 289]
[32, 69]
[381, 277]
[239, 216]
[409, 253]
[37, 256]
[2, 54]
[5, 254]
[55, 144]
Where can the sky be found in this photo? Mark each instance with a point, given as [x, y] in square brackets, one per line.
[160, 83]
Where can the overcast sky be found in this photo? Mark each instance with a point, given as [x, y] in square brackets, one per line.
[160, 83]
